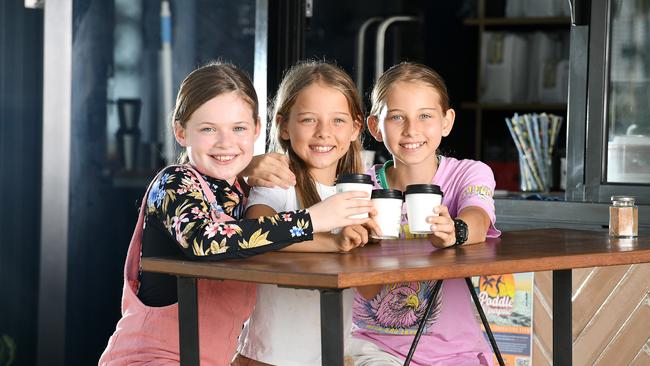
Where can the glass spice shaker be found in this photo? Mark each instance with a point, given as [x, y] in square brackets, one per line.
[623, 217]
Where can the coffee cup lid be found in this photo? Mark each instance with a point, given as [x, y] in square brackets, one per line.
[423, 188]
[354, 178]
[387, 193]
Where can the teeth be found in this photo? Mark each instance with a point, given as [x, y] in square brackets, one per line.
[412, 146]
[224, 157]
[322, 148]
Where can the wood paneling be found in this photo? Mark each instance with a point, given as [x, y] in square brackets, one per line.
[611, 316]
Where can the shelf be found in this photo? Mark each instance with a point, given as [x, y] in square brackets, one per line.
[524, 107]
[536, 21]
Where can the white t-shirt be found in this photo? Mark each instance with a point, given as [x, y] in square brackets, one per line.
[284, 328]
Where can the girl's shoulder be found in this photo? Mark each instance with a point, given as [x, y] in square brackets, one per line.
[462, 165]
[464, 170]
[173, 173]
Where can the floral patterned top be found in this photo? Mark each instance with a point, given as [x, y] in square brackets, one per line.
[178, 217]
[177, 201]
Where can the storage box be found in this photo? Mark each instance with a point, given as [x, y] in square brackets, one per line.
[503, 60]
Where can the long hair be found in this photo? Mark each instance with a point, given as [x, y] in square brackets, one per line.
[206, 82]
[407, 72]
[298, 78]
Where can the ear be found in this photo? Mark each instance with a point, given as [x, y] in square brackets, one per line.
[448, 122]
[179, 134]
[373, 127]
[258, 128]
[284, 132]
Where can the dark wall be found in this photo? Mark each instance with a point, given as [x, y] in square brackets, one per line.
[99, 220]
[21, 65]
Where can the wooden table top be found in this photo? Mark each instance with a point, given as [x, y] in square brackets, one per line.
[412, 260]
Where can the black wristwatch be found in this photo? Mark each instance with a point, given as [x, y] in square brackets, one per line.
[461, 232]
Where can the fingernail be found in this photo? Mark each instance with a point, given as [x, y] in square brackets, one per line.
[434, 227]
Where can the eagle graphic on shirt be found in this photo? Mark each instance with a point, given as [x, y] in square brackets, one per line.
[398, 308]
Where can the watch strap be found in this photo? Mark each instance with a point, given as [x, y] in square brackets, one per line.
[460, 227]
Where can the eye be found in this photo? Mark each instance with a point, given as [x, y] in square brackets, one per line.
[425, 116]
[207, 129]
[308, 120]
[339, 121]
[395, 117]
[240, 129]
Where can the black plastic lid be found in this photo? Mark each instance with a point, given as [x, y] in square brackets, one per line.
[354, 178]
[387, 193]
[423, 188]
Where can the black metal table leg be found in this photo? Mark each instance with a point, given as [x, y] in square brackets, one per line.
[562, 314]
[331, 325]
[188, 321]
[427, 312]
[484, 320]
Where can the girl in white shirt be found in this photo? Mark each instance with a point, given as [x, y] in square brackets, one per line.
[317, 122]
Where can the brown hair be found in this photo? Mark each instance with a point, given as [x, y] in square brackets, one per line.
[299, 77]
[206, 82]
[408, 72]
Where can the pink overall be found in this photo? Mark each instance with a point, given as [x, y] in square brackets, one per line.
[149, 335]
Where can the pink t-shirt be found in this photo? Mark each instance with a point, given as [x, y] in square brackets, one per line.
[452, 335]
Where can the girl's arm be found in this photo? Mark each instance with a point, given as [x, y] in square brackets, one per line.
[269, 170]
[177, 201]
[444, 233]
[349, 238]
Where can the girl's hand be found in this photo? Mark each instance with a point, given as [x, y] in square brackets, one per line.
[444, 231]
[351, 237]
[269, 170]
[335, 211]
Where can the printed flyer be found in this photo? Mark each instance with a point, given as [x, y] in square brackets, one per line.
[507, 301]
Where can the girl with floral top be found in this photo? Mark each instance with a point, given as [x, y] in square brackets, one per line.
[196, 209]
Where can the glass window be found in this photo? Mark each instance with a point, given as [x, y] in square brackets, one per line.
[628, 116]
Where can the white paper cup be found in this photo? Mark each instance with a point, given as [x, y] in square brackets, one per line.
[388, 203]
[355, 182]
[420, 201]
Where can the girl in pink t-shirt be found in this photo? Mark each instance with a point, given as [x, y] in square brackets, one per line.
[410, 115]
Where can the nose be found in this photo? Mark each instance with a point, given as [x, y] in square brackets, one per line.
[410, 128]
[323, 129]
[221, 138]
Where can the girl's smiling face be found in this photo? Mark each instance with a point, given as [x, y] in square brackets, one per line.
[320, 128]
[411, 123]
[219, 136]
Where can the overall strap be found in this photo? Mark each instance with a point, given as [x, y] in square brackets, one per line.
[214, 211]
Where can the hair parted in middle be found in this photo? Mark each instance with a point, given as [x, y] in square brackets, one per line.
[296, 79]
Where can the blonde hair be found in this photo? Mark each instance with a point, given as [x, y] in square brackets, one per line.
[407, 72]
[299, 77]
[206, 82]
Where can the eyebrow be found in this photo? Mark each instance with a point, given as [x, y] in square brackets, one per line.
[345, 113]
[419, 109]
[215, 123]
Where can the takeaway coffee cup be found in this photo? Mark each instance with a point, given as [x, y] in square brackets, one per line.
[388, 203]
[354, 182]
[420, 201]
